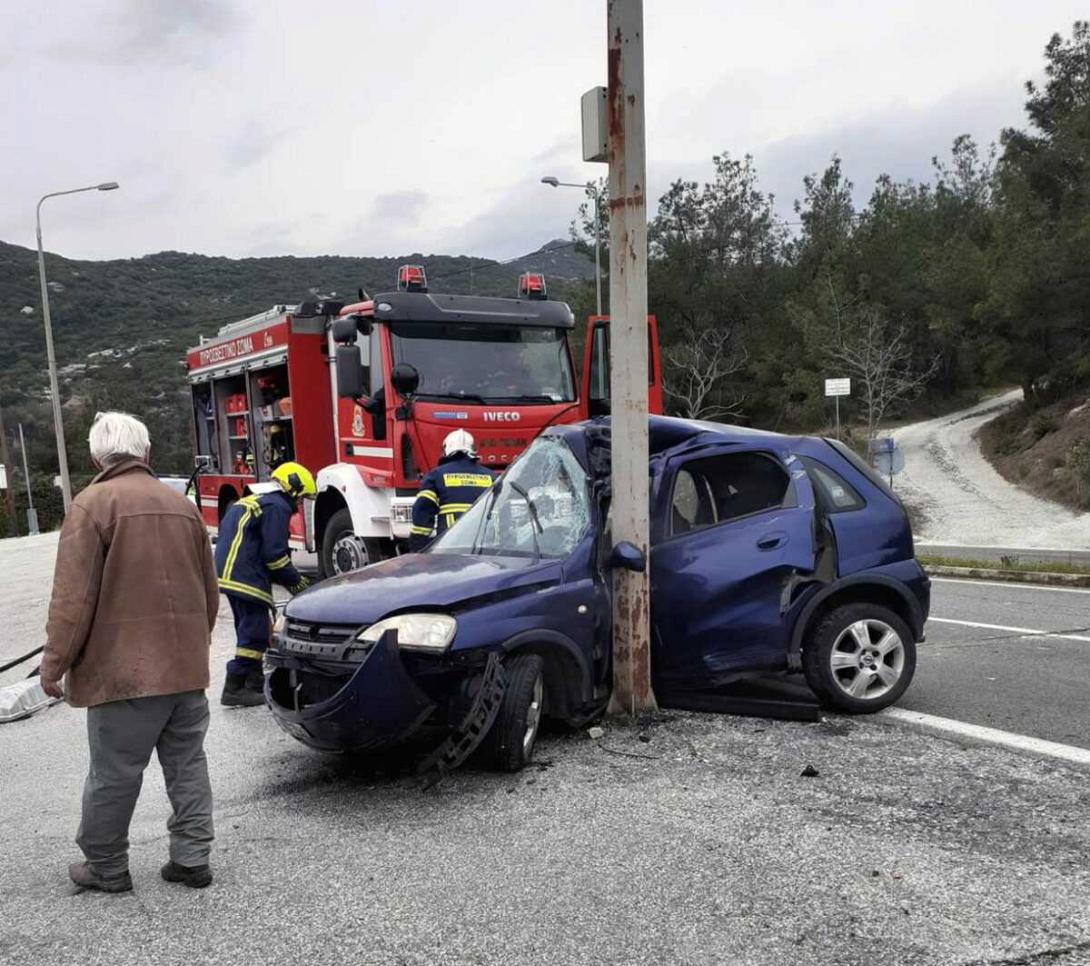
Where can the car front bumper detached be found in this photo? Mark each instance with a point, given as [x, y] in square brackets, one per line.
[348, 708]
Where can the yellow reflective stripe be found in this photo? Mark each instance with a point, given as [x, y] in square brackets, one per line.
[249, 652]
[420, 531]
[236, 587]
[236, 543]
[454, 507]
[467, 479]
[279, 563]
[428, 495]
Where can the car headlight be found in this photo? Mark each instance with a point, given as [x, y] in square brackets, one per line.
[415, 632]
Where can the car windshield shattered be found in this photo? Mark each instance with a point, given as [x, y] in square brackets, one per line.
[540, 508]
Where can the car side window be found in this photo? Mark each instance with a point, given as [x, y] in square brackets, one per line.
[836, 494]
[720, 488]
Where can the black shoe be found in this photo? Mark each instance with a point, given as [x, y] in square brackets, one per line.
[85, 877]
[243, 691]
[196, 877]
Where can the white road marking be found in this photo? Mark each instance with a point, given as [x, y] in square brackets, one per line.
[991, 736]
[967, 581]
[1021, 631]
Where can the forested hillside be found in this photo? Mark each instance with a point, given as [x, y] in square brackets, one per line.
[926, 296]
[121, 329]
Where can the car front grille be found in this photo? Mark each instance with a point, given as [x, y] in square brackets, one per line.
[322, 641]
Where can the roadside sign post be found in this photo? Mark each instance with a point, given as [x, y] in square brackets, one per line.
[628, 351]
[837, 388]
[31, 513]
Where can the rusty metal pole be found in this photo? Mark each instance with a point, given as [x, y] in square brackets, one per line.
[628, 351]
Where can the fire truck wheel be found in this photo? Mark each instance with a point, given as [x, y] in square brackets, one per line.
[343, 551]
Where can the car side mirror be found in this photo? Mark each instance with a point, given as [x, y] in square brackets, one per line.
[405, 378]
[349, 373]
[627, 556]
[345, 329]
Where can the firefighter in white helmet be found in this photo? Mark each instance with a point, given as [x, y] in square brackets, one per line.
[449, 490]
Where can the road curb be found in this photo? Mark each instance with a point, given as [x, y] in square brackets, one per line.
[1012, 576]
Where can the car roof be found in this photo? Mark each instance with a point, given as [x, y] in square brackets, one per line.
[667, 433]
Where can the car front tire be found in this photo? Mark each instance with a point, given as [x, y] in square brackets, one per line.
[860, 658]
[510, 742]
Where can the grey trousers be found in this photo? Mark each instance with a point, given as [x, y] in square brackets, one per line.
[122, 736]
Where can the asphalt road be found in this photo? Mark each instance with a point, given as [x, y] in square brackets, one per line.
[1001, 676]
[688, 839]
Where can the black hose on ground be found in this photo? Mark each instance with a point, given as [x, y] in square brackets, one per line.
[19, 660]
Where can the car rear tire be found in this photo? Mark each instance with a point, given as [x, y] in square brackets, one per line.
[510, 742]
[342, 551]
[860, 658]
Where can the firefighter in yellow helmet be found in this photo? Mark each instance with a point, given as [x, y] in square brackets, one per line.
[251, 555]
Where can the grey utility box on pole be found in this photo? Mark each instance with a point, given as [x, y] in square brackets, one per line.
[632, 691]
[595, 136]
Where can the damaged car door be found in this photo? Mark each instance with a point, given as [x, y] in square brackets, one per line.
[735, 533]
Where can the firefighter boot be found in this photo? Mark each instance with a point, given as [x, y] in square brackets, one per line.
[243, 690]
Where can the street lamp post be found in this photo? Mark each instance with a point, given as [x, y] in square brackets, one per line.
[591, 187]
[54, 386]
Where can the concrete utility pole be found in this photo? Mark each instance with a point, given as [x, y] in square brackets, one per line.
[51, 359]
[628, 351]
[9, 472]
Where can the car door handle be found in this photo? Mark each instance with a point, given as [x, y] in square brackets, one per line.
[770, 541]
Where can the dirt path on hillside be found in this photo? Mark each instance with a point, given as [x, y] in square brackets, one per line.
[963, 500]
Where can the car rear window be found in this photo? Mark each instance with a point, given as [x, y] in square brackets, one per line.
[836, 494]
[863, 466]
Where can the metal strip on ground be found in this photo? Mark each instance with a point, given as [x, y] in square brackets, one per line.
[1020, 631]
[990, 736]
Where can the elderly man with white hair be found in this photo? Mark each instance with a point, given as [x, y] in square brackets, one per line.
[134, 601]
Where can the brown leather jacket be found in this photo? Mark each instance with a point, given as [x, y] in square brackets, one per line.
[134, 592]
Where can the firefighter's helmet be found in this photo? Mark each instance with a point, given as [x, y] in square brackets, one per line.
[296, 480]
[459, 442]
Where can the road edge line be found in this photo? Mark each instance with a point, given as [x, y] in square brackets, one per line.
[981, 734]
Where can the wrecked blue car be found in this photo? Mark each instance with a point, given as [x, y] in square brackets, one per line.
[768, 553]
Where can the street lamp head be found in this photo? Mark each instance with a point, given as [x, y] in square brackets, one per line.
[549, 179]
[108, 186]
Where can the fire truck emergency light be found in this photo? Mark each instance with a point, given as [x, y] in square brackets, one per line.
[411, 278]
[532, 285]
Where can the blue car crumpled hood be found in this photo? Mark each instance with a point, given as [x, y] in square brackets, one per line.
[426, 580]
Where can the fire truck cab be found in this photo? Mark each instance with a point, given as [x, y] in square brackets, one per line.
[364, 394]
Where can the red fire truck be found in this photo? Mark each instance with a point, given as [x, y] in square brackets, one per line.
[363, 395]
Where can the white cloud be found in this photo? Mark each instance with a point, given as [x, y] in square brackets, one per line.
[350, 127]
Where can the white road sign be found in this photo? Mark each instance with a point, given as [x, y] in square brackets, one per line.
[838, 387]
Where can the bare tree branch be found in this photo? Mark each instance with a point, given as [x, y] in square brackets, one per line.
[696, 367]
[876, 354]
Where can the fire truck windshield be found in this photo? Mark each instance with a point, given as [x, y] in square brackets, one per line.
[486, 363]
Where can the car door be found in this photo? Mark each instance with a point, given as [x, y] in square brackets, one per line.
[734, 528]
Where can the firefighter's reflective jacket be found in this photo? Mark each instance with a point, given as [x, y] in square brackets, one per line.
[252, 547]
[445, 494]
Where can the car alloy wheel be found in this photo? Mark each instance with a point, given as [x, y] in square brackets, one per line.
[533, 717]
[867, 659]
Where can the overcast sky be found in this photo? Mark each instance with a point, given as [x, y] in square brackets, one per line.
[362, 127]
